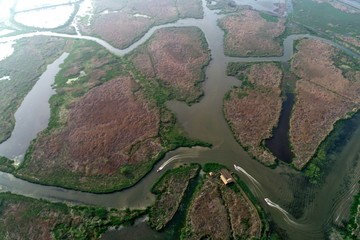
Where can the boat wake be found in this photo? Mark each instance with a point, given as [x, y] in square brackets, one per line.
[173, 158]
[252, 179]
[283, 211]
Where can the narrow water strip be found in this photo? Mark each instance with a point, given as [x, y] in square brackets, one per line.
[33, 114]
[279, 143]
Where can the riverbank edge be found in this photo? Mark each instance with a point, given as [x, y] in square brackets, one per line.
[246, 148]
[353, 224]
[244, 191]
[171, 91]
[312, 161]
[185, 141]
[229, 72]
[189, 168]
[103, 223]
[314, 168]
[285, 91]
[119, 188]
[143, 33]
[42, 69]
[305, 168]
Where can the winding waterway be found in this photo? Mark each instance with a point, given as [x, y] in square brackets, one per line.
[275, 188]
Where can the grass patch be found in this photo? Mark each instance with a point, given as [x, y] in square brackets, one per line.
[269, 18]
[324, 18]
[36, 218]
[170, 190]
[234, 68]
[212, 167]
[6, 165]
[172, 136]
[347, 64]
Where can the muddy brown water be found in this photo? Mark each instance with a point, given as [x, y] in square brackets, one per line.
[205, 121]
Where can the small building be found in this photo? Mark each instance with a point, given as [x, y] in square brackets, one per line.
[226, 177]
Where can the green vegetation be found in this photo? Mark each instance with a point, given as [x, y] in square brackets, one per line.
[351, 229]
[347, 64]
[353, 225]
[159, 89]
[269, 18]
[263, 218]
[225, 6]
[170, 190]
[172, 136]
[67, 93]
[185, 228]
[24, 67]
[171, 186]
[209, 188]
[212, 167]
[236, 69]
[316, 169]
[324, 18]
[227, 96]
[126, 176]
[6, 165]
[99, 66]
[40, 219]
[154, 89]
[241, 72]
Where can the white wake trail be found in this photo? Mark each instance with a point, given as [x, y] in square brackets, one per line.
[252, 179]
[283, 211]
[173, 158]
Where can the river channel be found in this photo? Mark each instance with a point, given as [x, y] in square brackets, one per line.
[276, 189]
[33, 114]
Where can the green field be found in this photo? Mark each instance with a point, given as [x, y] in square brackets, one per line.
[324, 18]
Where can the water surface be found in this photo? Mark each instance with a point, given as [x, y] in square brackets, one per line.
[279, 143]
[33, 114]
[205, 121]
